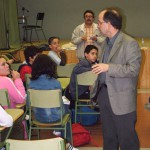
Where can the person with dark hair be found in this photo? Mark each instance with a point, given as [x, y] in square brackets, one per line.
[30, 54]
[90, 57]
[43, 78]
[56, 53]
[116, 85]
[86, 34]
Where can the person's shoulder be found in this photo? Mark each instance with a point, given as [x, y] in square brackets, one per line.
[127, 37]
[5, 80]
[23, 67]
[83, 62]
[79, 26]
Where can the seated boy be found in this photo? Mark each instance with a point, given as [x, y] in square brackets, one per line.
[30, 54]
[56, 53]
[84, 65]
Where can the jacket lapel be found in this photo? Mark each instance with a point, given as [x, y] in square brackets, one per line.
[103, 47]
[116, 45]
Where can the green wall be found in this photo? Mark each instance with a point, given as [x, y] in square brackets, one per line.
[62, 16]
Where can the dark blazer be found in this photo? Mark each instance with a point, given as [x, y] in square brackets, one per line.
[121, 79]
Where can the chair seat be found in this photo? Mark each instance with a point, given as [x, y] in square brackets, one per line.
[57, 123]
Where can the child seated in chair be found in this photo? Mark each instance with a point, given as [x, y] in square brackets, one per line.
[84, 65]
[30, 54]
[43, 78]
[56, 53]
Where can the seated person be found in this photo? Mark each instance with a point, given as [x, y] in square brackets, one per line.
[43, 78]
[56, 53]
[13, 85]
[30, 54]
[5, 119]
[84, 65]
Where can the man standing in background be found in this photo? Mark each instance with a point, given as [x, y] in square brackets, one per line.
[117, 83]
[86, 34]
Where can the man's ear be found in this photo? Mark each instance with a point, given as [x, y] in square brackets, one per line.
[85, 54]
[50, 46]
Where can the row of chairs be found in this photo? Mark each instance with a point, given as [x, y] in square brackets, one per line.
[52, 98]
[44, 99]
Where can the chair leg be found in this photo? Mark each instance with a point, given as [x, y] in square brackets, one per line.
[30, 36]
[37, 35]
[38, 134]
[65, 134]
[70, 131]
[44, 34]
[25, 35]
[29, 133]
[75, 115]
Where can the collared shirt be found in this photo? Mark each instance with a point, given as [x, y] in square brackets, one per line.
[109, 46]
[89, 33]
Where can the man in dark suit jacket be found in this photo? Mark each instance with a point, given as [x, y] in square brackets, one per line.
[117, 83]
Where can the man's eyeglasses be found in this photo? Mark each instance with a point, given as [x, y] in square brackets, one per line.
[88, 16]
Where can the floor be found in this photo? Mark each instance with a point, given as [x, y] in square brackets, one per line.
[142, 126]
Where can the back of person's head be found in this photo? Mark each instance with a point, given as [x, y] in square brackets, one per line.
[43, 65]
[31, 51]
[89, 11]
[113, 16]
[50, 40]
[89, 48]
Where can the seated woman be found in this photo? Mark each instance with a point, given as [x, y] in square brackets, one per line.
[56, 53]
[43, 78]
[5, 119]
[14, 85]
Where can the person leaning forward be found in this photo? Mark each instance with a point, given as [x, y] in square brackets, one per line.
[118, 72]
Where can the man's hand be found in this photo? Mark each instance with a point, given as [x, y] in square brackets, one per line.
[99, 68]
[84, 38]
[94, 38]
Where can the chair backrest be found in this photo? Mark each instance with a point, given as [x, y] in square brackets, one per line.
[65, 71]
[45, 98]
[87, 78]
[4, 99]
[40, 17]
[15, 66]
[64, 82]
[46, 144]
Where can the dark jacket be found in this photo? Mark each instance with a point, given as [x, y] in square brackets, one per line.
[83, 66]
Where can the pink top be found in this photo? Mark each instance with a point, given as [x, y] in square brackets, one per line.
[16, 90]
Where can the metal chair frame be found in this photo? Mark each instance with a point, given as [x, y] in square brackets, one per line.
[37, 27]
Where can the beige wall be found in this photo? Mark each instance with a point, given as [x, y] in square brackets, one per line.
[62, 16]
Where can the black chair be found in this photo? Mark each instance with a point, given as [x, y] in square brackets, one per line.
[37, 27]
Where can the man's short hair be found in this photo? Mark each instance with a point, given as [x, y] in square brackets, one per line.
[113, 16]
[89, 11]
[89, 48]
